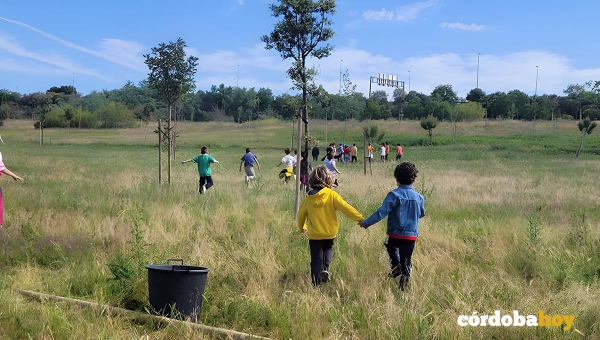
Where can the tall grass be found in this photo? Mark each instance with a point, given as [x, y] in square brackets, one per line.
[511, 224]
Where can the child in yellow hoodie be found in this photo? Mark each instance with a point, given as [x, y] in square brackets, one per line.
[317, 217]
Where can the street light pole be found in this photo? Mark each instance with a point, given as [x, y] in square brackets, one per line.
[536, 78]
[478, 70]
[341, 75]
[409, 81]
[237, 80]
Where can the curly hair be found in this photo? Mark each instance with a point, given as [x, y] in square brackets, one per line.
[320, 178]
[405, 173]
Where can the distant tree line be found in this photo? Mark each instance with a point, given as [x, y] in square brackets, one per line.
[121, 108]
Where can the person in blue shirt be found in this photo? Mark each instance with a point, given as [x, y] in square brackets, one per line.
[249, 160]
[403, 206]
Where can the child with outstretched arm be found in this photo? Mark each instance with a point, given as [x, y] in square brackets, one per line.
[318, 219]
[403, 206]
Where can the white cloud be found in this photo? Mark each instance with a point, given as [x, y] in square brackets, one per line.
[264, 68]
[404, 13]
[51, 58]
[496, 72]
[410, 12]
[124, 53]
[461, 26]
[382, 14]
[113, 50]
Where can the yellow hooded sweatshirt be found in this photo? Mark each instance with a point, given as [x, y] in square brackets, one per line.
[317, 213]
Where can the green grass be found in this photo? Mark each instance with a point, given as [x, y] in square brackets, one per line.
[512, 224]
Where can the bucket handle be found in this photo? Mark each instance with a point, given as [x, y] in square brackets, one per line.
[175, 260]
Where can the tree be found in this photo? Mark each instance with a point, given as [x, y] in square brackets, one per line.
[304, 25]
[429, 124]
[171, 75]
[380, 97]
[348, 88]
[444, 93]
[476, 95]
[585, 126]
[42, 105]
[115, 115]
[371, 133]
[498, 105]
[414, 107]
[521, 101]
[469, 111]
[69, 112]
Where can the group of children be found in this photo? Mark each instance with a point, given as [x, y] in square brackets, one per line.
[403, 206]
[317, 216]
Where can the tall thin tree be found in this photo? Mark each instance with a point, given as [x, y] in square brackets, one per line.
[585, 126]
[171, 75]
[429, 123]
[303, 26]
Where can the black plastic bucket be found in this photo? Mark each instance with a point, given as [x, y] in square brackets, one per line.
[176, 290]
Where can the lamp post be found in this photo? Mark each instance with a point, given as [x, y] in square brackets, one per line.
[536, 78]
[237, 79]
[478, 70]
[409, 81]
[341, 60]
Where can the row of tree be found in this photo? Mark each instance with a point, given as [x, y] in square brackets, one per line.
[64, 107]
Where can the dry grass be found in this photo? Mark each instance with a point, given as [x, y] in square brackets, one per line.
[474, 252]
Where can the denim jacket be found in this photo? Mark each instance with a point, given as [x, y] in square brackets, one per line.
[403, 206]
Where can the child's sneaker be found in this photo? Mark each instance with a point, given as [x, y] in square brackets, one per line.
[324, 277]
[202, 189]
[395, 272]
[403, 282]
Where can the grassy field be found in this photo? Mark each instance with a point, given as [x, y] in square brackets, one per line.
[512, 224]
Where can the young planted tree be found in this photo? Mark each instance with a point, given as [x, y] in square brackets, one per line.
[303, 26]
[585, 126]
[69, 111]
[429, 123]
[171, 75]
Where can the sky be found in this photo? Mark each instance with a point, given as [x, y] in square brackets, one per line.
[536, 46]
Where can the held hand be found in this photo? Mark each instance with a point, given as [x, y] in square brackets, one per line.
[362, 224]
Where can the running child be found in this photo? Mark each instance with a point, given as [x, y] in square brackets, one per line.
[403, 207]
[318, 219]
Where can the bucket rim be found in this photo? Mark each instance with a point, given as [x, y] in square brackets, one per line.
[177, 268]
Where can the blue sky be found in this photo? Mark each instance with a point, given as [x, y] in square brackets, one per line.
[100, 44]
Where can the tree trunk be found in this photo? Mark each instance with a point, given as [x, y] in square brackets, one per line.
[159, 154]
[169, 147]
[299, 140]
[580, 143]
[325, 127]
[174, 135]
[365, 153]
[430, 140]
[298, 168]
